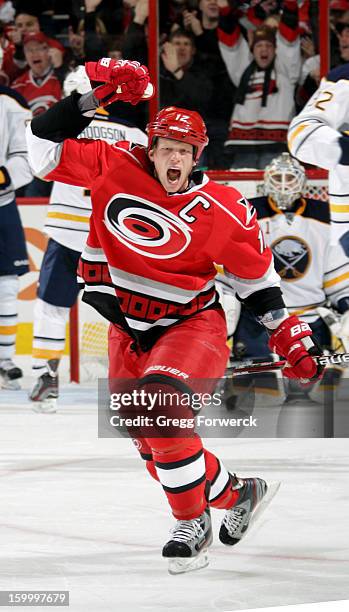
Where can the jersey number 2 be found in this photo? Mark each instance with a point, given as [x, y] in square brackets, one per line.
[326, 96]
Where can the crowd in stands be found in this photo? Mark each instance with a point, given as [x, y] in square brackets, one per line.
[247, 67]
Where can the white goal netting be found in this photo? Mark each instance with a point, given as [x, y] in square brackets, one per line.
[93, 343]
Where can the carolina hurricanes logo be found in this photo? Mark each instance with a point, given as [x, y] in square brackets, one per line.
[41, 103]
[145, 227]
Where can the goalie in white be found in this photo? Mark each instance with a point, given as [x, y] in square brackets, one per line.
[313, 271]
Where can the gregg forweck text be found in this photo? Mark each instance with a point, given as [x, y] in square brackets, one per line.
[135, 409]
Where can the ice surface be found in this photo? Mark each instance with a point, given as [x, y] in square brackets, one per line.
[80, 513]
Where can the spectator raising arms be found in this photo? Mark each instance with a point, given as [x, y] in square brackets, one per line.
[203, 26]
[265, 74]
[135, 42]
[183, 79]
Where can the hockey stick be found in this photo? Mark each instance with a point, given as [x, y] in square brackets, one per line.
[253, 367]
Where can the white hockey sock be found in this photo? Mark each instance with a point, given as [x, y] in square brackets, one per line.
[8, 315]
[49, 332]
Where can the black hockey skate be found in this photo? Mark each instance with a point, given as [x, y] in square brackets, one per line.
[10, 375]
[45, 391]
[254, 497]
[187, 549]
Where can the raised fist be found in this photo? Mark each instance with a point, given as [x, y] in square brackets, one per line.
[292, 340]
[123, 80]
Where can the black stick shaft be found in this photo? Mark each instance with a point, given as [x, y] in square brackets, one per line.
[251, 367]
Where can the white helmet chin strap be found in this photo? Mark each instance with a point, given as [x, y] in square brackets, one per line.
[284, 180]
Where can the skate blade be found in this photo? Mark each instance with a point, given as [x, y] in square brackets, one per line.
[272, 490]
[47, 406]
[12, 385]
[180, 565]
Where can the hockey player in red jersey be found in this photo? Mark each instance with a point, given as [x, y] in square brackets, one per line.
[157, 228]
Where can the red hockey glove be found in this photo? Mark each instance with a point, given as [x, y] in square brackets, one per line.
[292, 340]
[123, 80]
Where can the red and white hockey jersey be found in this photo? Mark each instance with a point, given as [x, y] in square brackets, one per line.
[152, 250]
[40, 96]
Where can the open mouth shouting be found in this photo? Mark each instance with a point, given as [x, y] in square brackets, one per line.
[173, 175]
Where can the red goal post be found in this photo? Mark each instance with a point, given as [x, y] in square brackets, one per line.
[88, 331]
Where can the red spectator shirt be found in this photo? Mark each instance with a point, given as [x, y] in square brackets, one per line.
[39, 96]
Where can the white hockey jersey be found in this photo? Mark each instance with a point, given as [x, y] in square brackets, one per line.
[312, 269]
[315, 137]
[68, 216]
[14, 114]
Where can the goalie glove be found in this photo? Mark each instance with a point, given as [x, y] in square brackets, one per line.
[292, 340]
[122, 80]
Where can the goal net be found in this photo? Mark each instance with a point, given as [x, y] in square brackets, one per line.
[88, 344]
[251, 184]
[89, 331]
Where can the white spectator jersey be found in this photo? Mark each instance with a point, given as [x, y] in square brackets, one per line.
[250, 122]
[14, 113]
[318, 135]
[312, 270]
[68, 216]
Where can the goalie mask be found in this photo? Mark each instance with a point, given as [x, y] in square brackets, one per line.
[284, 180]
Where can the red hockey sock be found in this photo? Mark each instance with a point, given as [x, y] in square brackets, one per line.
[221, 493]
[152, 470]
[180, 467]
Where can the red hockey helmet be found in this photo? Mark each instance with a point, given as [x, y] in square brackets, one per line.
[179, 124]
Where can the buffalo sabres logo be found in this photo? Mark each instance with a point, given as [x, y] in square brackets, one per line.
[291, 257]
[145, 227]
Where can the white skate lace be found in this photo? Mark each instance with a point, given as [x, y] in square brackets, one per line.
[185, 531]
[233, 520]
